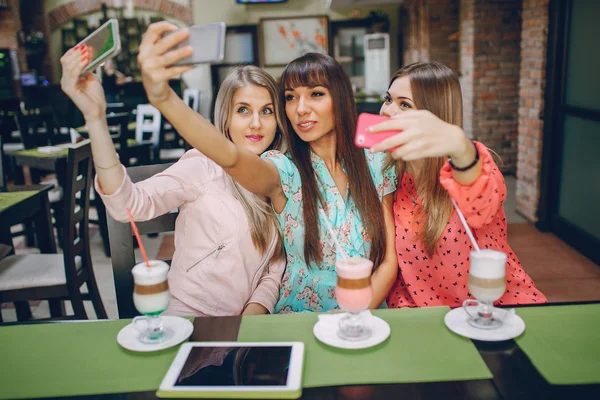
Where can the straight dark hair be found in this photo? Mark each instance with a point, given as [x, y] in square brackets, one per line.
[312, 70]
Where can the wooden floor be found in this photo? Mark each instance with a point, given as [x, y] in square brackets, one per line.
[558, 270]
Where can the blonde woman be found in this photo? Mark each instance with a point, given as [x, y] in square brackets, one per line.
[229, 256]
[436, 161]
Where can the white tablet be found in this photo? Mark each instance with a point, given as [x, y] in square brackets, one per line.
[235, 370]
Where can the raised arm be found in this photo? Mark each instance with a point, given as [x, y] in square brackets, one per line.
[256, 175]
[155, 196]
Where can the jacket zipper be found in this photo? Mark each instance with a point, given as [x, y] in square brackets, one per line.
[216, 251]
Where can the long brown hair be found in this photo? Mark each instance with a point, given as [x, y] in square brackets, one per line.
[312, 70]
[262, 221]
[434, 88]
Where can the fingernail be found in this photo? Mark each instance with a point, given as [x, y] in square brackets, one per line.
[76, 47]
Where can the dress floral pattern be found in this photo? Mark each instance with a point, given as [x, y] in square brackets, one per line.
[311, 288]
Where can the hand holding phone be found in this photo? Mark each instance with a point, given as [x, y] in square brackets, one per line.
[207, 42]
[366, 139]
[102, 45]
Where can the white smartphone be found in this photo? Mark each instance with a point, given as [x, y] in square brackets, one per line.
[208, 44]
[102, 44]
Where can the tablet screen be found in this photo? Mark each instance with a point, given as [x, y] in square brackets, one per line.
[236, 366]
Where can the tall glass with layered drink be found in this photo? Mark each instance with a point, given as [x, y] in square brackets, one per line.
[151, 298]
[354, 293]
[487, 283]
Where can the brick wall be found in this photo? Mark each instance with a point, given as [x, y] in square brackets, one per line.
[493, 29]
[443, 18]
[467, 35]
[534, 38]
[76, 8]
[430, 29]
[10, 25]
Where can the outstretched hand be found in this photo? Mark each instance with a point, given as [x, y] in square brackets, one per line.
[85, 90]
[422, 135]
[157, 57]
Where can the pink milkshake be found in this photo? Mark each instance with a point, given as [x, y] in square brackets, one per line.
[354, 293]
[353, 290]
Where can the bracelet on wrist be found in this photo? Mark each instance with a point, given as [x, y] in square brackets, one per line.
[468, 167]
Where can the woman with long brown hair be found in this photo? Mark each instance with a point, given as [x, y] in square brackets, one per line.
[437, 162]
[324, 181]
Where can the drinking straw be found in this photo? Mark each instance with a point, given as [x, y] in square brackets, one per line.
[137, 236]
[333, 234]
[464, 222]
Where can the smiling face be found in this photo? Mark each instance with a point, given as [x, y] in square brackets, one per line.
[310, 111]
[252, 122]
[398, 98]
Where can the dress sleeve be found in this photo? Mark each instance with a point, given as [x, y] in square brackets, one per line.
[482, 199]
[384, 177]
[289, 175]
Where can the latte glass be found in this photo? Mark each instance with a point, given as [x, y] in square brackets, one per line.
[151, 298]
[487, 283]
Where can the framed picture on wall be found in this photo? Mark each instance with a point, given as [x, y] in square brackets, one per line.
[284, 39]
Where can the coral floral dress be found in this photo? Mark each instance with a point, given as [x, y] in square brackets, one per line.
[442, 279]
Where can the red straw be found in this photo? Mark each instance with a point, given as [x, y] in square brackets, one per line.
[137, 236]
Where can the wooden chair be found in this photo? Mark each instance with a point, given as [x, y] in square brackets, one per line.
[121, 243]
[59, 277]
[5, 250]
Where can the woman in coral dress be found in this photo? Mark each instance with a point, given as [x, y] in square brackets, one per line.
[437, 162]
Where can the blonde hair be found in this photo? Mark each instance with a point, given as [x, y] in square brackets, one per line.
[262, 221]
[434, 88]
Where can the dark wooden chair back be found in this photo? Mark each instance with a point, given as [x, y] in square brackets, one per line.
[37, 129]
[2, 171]
[76, 239]
[121, 243]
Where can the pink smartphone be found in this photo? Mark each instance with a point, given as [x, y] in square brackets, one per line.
[365, 139]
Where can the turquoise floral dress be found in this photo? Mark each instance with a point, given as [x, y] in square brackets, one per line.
[312, 289]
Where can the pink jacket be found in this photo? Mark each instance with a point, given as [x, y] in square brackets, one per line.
[215, 269]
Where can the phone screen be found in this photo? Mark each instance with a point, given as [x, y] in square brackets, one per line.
[102, 44]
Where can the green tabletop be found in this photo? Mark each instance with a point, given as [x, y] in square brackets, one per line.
[36, 153]
[7, 199]
[563, 342]
[419, 349]
[68, 359]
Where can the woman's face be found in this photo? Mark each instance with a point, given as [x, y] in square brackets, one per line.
[252, 122]
[398, 98]
[310, 111]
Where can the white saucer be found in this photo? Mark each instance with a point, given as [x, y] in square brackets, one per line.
[182, 329]
[512, 325]
[326, 328]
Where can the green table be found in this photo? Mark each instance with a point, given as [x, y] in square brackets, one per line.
[563, 342]
[419, 349]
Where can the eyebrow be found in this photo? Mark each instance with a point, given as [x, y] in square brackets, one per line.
[310, 87]
[241, 103]
[400, 97]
